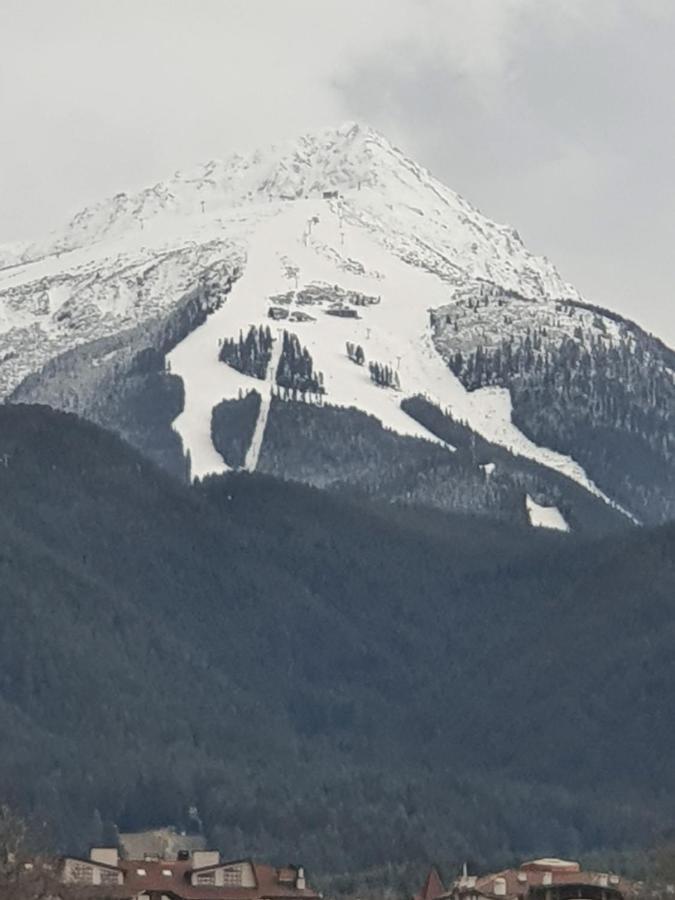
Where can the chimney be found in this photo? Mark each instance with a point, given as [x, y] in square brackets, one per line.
[604, 880]
[108, 856]
[500, 886]
[300, 882]
[547, 878]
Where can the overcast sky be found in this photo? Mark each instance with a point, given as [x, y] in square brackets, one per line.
[554, 115]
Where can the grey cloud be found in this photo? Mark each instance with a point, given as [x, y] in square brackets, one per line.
[572, 140]
[555, 116]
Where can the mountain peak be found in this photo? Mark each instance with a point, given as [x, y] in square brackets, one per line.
[346, 157]
[339, 236]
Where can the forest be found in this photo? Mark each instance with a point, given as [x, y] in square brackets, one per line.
[608, 400]
[249, 355]
[359, 684]
[345, 449]
[295, 376]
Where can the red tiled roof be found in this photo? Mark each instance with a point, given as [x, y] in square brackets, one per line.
[177, 882]
[433, 887]
[535, 874]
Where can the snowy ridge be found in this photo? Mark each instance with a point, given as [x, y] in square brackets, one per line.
[132, 256]
[421, 217]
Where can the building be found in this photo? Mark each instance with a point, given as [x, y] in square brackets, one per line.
[162, 842]
[539, 879]
[433, 886]
[193, 875]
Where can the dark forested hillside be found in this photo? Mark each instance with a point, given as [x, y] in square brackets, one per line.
[327, 446]
[582, 380]
[123, 381]
[328, 678]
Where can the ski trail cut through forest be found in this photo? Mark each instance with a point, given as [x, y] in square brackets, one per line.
[253, 453]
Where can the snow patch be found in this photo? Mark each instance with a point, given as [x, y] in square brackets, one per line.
[253, 454]
[545, 516]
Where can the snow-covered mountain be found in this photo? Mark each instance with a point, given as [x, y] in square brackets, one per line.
[393, 285]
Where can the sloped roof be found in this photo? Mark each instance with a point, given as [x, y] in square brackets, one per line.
[433, 886]
[172, 877]
[519, 881]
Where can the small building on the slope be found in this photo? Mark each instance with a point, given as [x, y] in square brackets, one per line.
[196, 875]
[538, 879]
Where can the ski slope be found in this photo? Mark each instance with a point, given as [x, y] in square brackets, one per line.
[321, 244]
[340, 208]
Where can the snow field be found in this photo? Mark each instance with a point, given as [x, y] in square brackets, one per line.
[394, 332]
[545, 516]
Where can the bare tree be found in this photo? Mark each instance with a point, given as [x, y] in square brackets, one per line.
[22, 875]
[13, 840]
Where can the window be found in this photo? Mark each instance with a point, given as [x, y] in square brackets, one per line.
[109, 876]
[232, 876]
[167, 873]
[206, 878]
[83, 872]
[141, 872]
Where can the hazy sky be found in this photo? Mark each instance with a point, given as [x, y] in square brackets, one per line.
[554, 115]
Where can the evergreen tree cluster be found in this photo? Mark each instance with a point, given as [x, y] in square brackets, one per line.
[384, 376]
[609, 404]
[232, 426]
[296, 376]
[249, 355]
[355, 353]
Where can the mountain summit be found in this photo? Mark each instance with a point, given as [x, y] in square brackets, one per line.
[329, 292]
[352, 159]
